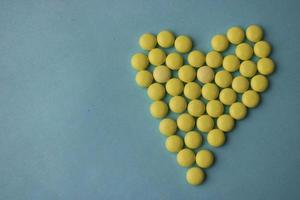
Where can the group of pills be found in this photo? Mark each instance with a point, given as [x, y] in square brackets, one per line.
[207, 92]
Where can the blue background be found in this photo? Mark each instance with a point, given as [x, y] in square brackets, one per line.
[73, 124]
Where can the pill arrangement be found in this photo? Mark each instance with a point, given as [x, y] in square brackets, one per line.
[202, 95]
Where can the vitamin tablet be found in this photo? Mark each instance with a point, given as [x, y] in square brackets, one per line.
[265, 66]
[157, 56]
[174, 87]
[195, 176]
[177, 104]
[204, 158]
[244, 51]
[216, 138]
[174, 143]
[144, 78]
[158, 109]
[235, 35]
[223, 79]
[139, 61]
[231, 63]
[205, 123]
[147, 41]
[219, 43]
[254, 33]
[196, 58]
[248, 68]
[240, 84]
[161, 74]
[192, 139]
[259, 83]
[238, 111]
[183, 44]
[227, 96]
[186, 73]
[225, 123]
[185, 157]
[210, 91]
[165, 39]
[185, 122]
[250, 98]
[214, 108]
[174, 61]
[214, 59]
[196, 108]
[167, 127]
[192, 90]
[205, 74]
[156, 91]
[262, 49]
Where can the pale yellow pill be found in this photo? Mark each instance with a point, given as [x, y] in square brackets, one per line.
[259, 83]
[227, 96]
[195, 176]
[185, 122]
[193, 139]
[223, 79]
[165, 39]
[147, 41]
[205, 123]
[156, 91]
[216, 138]
[205, 74]
[196, 108]
[250, 98]
[174, 61]
[167, 127]
[214, 108]
[196, 58]
[240, 84]
[185, 157]
[214, 59]
[157, 56]
[235, 35]
[254, 33]
[186, 73]
[248, 68]
[219, 43]
[161, 74]
[238, 111]
[210, 91]
[174, 143]
[204, 158]
[192, 90]
[139, 61]
[158, 109]
[177, 104]
[225, 123]
[265, 66]
[183, 44]
[262, 49]
[244, 51]
[144, 78]
[174, 87]
[231, 63]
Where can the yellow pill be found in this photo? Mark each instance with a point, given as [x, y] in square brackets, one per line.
[248, 68]
[205, 74]
[195, 176]
[174, 87]
[139, 61]
[240, 84]
[244, 51]
[196, 58]
[158, 109]
[174, 143]
[210, 91]
[265, 66]
[259, 83]
[235, 35]
[177, 104]
[157, 56]
[167, 127]
[174, 61]
[204, 158]
[205, 123]
[262, 49]
[219, 43]
[225, 123]
[161, 74]
[214, 108]
[223, 79]
[227, 96]
[144, 78]
[250, 98]
[196, 108]
[147, 41]
[254, 33]
[156, 91]
[192, 90]
[185, 122]
[216, 138]
[214, 59]
[185, 157]
[165, 39]
[183, 44]
[238, 111]
[231, 63]
[192, 139]
[186, 73]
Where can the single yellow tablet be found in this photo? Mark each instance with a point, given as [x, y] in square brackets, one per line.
[248, 68]
[161, 74]
[185, 157]
[144, 78]
[183, 44]
[225, 123]
[174, 87]
[244, 51]
[205, 123]
[216, 138]
[240, 84]
[156, 91]
[250, 98]
[259, 83]
[158, 109]
[227, 96]
[238, 111]
[196, 58]
[195, 176]
[235, 35]
[139, 61]
[196, 108]
[204, 158]
[219, 43]
[193, 139]
[157, 57]
[214, 59]
[177, 104]
[186, 73]
[205, 74]
[147, 41]
[231, 63]
[262, 49]
[265, 66]
[223, 79]
[192, 90]
[165, 39]
[254, 33]
[210, 91]
[174, 143]
[214, 108]
[174, 61]
[167, 127]
[185, 122]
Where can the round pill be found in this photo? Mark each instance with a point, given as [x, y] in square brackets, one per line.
[205, 123]
[235, 35]
[167, 127]
[165, 39]
[265, 66]
[158, 109]
[205, 74]
[214, 108]
[223, 79]
[174, 61]
[157, 56]
[219, 42]
[174, 87]
[144, 78]
[161, 74]
[193, 139]
[262, 49]
[231, 63]
[177, 104]
[183, 44]
[238, 111]
[204, 158]
[259, 83]
[244, 51]
[214, 59]
[186, 73]
[196, 108]
[147, 41]
[195, 176]
[185, 122]
[216, 138]
[156, 91]
[210, 91]
[248, 68]
[196, 58]
[185, 157]
[250, 98]
[174, 143]
[192, 90]
[240, 84]
[227, 96]
[139, 61]
[254, 33]
[225, 123]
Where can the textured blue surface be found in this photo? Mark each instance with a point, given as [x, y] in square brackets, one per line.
[73, 124]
